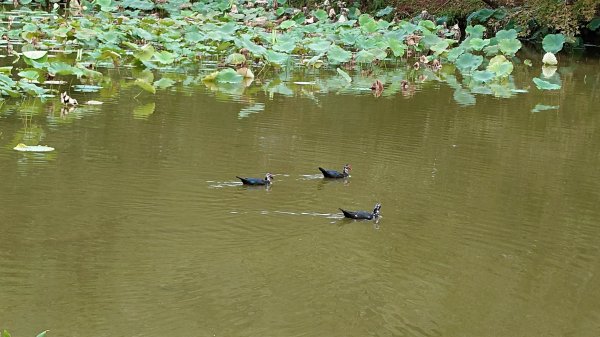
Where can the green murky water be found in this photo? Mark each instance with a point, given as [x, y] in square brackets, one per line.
[136, 225]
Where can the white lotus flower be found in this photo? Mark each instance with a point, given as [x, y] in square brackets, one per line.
[549, 59]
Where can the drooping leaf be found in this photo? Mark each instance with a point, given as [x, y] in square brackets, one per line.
[553, 43]
[545, 85]
[147, 86]
[344, 75]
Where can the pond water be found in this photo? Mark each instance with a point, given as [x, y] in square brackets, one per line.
[137, 226]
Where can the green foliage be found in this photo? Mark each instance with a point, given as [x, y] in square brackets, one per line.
[553, 43]
[545, 85]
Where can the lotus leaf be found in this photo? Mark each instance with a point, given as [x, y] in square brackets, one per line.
[35, 54]
[86, 88]
[164, 83]
[483, 76]
[344, 75]
[319, 46]
[475, 31]
[594, 24]
[510, 34]
[385, 11]
[509, 47]
[321, 15]
[454, 53]
[144, 53]
[398, 48]
[235, 59]
[147, 86]
[274, 57]
[545, 85]
[32, 89]
[500, 66]
[478, 44]
[228, 75]
[553, 43]
[468, 62]
[481, 15]
[30, 74]
[338, 55]
[61, 68]
[287, 24]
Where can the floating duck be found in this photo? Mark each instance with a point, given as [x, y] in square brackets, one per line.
[363, 214]
[336, 174]
[268, 180]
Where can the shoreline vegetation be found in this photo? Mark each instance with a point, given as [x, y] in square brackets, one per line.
[55, 47]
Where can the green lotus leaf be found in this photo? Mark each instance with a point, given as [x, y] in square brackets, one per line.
[454, 53]
[30, 74]
[285, 46]
[385, 11]
[398, 48]
[344, 75]
[276, 58]
[430, 40]
[321, 15]
[319, 46]
[61, 68]
[164, 83]
[35, 54]
[147, 86]
[287, 24]
[32, 89]
[483, 76]
[478, 44]
[164, 57]
[510, 34]
[491, 50]
[553, 43]
[545, 85]
[481, 15]
[235, 59]
[440, 47]
[500, 66]
[86, 88]
[594, 24]
[338, 55]
[475, 31]
[468, 62]
[144, 53]
[228, 75]
[427, 24]
[509, 47]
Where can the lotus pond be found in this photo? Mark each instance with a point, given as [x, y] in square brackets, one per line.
[486, 169]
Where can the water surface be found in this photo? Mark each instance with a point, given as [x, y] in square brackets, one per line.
[136, 224]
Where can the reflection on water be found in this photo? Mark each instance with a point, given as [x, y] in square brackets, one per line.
[136, 224]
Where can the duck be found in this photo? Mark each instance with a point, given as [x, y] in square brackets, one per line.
[366, 215]
[336, 174]
[268, 180]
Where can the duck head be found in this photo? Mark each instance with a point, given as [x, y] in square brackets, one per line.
[269, 178]
[347, 169]
[376, 210]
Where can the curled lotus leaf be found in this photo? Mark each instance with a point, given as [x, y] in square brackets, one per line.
[500, 66]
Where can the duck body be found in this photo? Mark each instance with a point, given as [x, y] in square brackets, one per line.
[336, 174]
[362, 215]
[268, 180]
